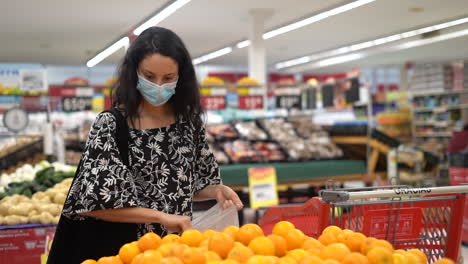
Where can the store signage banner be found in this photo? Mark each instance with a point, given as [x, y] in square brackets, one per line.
[289, 101]
[213, 102]
[71, 104]
[33, 80]
[262, 187]
[250, 102]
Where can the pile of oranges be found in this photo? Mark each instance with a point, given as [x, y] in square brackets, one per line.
[249, 245]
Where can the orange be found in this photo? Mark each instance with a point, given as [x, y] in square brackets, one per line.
[258, 260]
[204, 244]
[221, 243]
[209, 233]
[336, 251]
[213, 262]
[311, 243]
[240, 253]
[399, 258]
[343, 236]
[297, 254]
[232, 231]
[262, 246]
[401, 251]
[165, 249]
[333, 230]
[150, 256]
[89, 261]
[171, 260]
[211, 256]
[271, 259]
[280, 245]
[287, 260]
[178, 251]
[295, 238]
[314, 252]
[380, 255]
[229, 261]
[413, 258]
[193, 256]
[171, 238]
[282, 228]
[354, 241]
[366, 245]
[418, 253]
[149, 241]
[383, 243]
[110, 260]
[247, 232]
[355, 258]
[128, 251]
[311, 260]
[327, 239]
[444, 261]
[331, 261]
[192, 238]
[137, 259]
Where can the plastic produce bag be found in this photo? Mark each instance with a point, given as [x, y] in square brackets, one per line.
[216, 218]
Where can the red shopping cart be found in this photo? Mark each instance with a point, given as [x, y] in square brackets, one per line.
[426, 218]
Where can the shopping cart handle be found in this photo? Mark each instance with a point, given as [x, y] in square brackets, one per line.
[334, 196]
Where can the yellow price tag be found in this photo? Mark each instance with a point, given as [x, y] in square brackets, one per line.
[205, 91]
[262, 187]
[243, 91]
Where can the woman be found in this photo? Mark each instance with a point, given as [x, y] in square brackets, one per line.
[170, 164]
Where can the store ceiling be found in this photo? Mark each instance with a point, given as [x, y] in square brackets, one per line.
[70, 32]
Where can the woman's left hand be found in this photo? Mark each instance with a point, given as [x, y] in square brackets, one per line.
[227, 197]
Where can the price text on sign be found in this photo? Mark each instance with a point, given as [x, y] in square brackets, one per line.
[288, 101]
[250, 102]
[262, 187]
[213, 102]
[77, 103]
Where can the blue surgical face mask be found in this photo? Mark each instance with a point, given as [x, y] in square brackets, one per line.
[154, 93]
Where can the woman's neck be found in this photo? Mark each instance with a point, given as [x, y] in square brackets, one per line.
[148, 109]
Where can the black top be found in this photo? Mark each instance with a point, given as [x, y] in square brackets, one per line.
[166, 169]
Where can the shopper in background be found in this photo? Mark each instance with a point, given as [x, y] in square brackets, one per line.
[170, 163]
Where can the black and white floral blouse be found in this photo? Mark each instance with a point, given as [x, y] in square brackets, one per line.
[166, 169]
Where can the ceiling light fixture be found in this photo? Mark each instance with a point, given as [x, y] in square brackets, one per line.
[373, 43]
[308, 21]
[160, 16]
[315, 18]
[212, 55]
[403, 46]
[121, 43]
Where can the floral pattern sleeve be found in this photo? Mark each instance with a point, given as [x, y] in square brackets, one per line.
[103, 181]
[207, 169]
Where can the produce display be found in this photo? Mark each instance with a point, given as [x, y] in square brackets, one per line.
[304, 126]
[29, 180]
[42, 208]
[250, 131]
[248, 81]
[219, 155]
[12, 144]
[269, 151]
[248, 244]
[241, 151]
[222, 132]
[212, 81]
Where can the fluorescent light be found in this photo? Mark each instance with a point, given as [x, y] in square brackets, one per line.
[377, 42]
[339, 59]
[243, 44]
[108, 51]
[421, 42]
[293, 62]
[315, 18]
[160, 16]
[212, 55]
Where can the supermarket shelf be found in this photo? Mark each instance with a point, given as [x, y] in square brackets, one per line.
[432, 123]
[441, 134]
[440, 93]
[440, 108]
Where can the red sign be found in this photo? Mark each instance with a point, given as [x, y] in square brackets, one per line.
[405, 224]
[251, 102]
[19, 246]
[213, 102]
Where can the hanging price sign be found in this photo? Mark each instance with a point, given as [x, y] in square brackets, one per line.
[251, 102]
[288, 101]
[262, 187]
[77, 103]
[213, 102]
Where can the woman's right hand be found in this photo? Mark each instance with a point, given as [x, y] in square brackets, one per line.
[175, 223]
